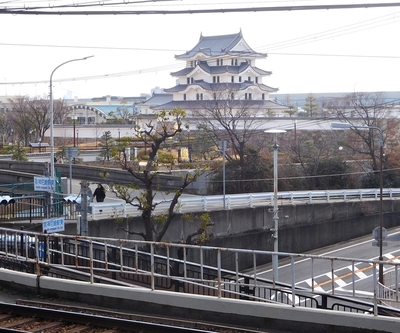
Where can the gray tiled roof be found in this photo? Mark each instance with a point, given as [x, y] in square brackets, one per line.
[202, 104]
[220, 86]
[218, 46]
[158, 99]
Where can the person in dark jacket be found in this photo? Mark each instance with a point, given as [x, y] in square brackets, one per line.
[99, 193]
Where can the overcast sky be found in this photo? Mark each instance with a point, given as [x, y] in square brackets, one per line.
[337, 50]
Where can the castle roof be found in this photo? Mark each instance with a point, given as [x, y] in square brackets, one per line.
[214, 46]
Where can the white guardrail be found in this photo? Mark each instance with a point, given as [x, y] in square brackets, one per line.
[118, 208]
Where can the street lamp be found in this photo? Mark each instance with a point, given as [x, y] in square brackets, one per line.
[275, 132]
[52, 114]
[74, 120]
[349, 126]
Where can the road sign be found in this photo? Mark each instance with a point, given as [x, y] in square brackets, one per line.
[72, 152]
[54, 225]
[376, 233]
[46, 184]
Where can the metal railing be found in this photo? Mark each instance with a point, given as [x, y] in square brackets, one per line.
[166, 266]
[214, 202]
[34, 207]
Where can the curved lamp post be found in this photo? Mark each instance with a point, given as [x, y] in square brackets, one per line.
[275, 132]
[380, 242]
[52, 114]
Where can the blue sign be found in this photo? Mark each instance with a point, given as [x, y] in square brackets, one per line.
[54, 225]
[47, 184]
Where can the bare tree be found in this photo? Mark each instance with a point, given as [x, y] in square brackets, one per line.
[368, 110]
[33, 115]
[155, 132]
[228, 117]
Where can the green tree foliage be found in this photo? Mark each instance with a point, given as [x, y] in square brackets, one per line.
[18, 152]
[106, 144]
[257, 177]
[311, 105]
[315, 164]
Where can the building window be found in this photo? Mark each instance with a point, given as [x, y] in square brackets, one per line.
[232, 96]
[216, 79]
[188, 80]
[256, 79]
[240, 79]
[191, 80]
[263, 96]
[249, 78]
[199, 96]
[215, 96]
[232, 79]
[184, 97]
[249, 95]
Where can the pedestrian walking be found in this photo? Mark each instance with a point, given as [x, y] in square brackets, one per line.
[99, 193]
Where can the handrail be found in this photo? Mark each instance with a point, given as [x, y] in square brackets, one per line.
[214, 202]
[95, 256]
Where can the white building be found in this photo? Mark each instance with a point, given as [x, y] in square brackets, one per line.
[220, 72]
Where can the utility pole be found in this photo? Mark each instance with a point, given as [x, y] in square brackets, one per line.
[85, 192]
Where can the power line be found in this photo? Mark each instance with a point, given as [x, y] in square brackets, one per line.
[48, 10]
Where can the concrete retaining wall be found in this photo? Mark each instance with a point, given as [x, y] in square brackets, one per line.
[19, 172]
[252, 315]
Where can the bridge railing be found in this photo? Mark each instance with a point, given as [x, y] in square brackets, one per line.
[166, 266]
[188, 204]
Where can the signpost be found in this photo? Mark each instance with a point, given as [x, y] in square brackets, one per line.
[72, 152]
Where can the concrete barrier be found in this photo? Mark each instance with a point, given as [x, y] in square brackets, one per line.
[252, 315]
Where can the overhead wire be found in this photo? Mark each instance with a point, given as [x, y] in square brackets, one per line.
[295, 42]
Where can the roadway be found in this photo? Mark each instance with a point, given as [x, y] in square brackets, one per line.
[342, 282]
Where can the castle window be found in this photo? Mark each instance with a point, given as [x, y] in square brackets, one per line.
[249, 78]
[256, 79]
[215, 96]
[263, 96]
[232, 96]
[184, 97]
[191, 80]
[240, 79]
[232, 79]
[188, 80]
